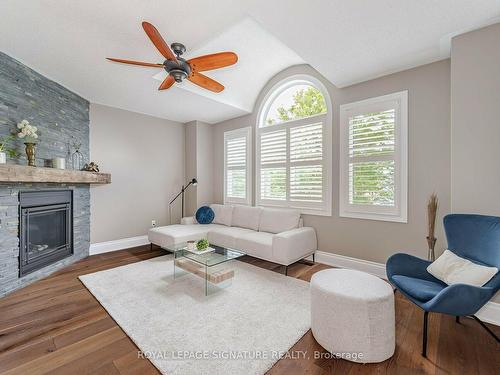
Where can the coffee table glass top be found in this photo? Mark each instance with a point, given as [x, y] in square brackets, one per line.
[213, 258]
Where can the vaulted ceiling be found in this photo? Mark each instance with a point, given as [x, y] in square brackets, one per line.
[346, 41]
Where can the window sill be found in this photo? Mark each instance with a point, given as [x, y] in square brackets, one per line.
[374, 216]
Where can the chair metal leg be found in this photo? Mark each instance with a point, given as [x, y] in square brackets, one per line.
[313, 256]
[457, 319]
[486, 328]
[424, 336]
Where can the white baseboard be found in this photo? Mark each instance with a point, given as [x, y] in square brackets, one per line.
[342, 261]
[490, 312]
[124, 243]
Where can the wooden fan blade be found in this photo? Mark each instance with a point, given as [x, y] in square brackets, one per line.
[213, 61]
[135, 62]
[167, 83]
[205, 82]
[158, 41]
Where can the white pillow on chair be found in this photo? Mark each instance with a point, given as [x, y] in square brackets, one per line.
[452, 269]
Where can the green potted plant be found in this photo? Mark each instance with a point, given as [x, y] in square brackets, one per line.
[4, 150]
[202, 245]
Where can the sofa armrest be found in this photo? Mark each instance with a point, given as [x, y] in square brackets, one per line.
[189, 220]
[293, 245]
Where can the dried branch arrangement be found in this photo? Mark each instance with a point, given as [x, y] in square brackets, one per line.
[432, 207]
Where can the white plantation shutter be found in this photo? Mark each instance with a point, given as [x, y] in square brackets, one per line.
[291, 164]
[306, 170]
[373, 158]
[237, 167]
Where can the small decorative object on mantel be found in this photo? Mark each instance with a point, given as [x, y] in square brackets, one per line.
[91, 167]
[432, 207]
[4, 150]
[59, 163]
[77, 157]
[28, 133]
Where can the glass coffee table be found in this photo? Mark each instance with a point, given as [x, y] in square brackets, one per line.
[214, 267]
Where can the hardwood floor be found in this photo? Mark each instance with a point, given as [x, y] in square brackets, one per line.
[55, 326]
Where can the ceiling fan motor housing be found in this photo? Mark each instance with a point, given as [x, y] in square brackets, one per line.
[179, 69]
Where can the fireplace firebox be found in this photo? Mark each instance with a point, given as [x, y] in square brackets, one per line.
[45, 228]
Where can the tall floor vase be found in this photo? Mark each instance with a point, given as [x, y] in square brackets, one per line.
[30, 153]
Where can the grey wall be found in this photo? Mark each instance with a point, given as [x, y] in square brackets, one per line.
[475, 111]
[204, 164]
[475, 119]
[429, 161]
[145, 156]
[61, 117]
[199, 164]
[190, 171]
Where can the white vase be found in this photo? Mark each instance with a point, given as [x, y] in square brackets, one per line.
[3, 158]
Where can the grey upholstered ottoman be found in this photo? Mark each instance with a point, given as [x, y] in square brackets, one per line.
[352, 315]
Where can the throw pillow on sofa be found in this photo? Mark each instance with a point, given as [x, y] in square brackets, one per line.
[223, 214]
[452, 269]
[204, 215]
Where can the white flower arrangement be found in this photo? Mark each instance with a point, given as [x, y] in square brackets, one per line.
[27, 132]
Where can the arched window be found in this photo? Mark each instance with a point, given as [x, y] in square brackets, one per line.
[293, 151]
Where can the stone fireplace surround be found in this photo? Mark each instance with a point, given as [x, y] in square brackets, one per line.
[62, 118]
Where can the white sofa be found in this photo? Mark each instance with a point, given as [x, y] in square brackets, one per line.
[276, 235]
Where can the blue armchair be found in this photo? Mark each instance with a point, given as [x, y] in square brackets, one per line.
[474, 237]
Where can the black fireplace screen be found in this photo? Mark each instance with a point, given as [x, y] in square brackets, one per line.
[45, 228]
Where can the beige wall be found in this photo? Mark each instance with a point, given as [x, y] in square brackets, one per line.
[429, 161]
[145, 156]
[475, 111]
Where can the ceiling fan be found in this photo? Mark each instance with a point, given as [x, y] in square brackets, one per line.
[178, 68]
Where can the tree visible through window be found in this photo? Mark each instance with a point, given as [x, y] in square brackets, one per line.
[295, 103]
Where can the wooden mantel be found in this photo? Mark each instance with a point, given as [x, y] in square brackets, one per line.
[23, 173]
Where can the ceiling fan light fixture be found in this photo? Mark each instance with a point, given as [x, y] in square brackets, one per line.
[178, 75]
[178, 68]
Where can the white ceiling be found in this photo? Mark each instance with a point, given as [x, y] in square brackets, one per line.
[346, 41]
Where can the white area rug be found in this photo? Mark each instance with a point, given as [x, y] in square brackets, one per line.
[243, 329]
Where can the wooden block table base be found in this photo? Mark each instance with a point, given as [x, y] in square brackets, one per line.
[216, 277]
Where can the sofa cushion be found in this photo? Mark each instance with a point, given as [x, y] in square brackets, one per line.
[246, 217]
[176, 234]
[257, 244]
[223, 214]
[276, 220]
[226, 236]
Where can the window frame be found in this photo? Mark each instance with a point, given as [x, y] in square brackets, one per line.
[232, 134]
[398, 213]
[312, 208]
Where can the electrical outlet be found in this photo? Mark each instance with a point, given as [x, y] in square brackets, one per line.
[153, 223]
